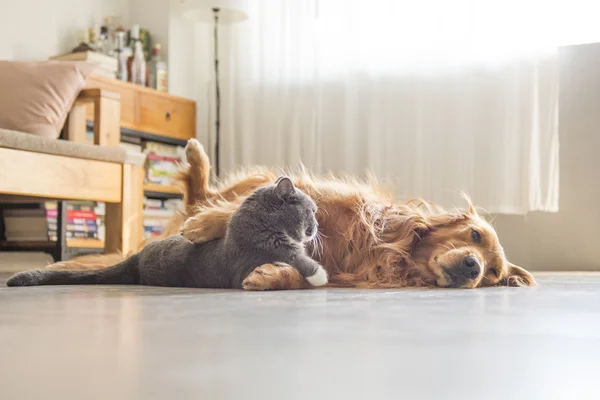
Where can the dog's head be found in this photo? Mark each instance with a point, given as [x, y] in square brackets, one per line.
[462, 250]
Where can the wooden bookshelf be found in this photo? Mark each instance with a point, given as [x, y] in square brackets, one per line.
[85, 244]
[145, 115]
[27, 244]
[36, 244]
[146, 110]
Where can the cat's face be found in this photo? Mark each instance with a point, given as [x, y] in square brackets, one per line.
[286, 208]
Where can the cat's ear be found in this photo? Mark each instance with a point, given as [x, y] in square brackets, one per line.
[284, 187]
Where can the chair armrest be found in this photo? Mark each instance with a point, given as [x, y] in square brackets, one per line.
[107, 117]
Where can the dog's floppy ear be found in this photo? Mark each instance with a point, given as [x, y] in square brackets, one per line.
[517, 277]
[284, 187]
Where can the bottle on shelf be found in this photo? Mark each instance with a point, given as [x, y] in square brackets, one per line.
[136, 64]
[113, 24]
[122, 54]
[105, 43]
[158, 75]
[93, 39]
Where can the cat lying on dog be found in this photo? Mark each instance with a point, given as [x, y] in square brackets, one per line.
[273, 224]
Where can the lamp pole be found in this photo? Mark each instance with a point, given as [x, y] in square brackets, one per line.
[217, 92]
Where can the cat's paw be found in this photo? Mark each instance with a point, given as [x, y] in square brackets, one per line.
[25, 278]
[319, 278]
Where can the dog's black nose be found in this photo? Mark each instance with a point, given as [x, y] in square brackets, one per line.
[472, 267]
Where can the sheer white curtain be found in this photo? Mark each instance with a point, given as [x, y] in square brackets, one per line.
[432, 96]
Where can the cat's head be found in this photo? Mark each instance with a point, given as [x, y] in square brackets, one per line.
[284, 208]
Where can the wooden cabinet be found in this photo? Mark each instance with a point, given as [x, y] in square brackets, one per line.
[166, 116]
[146, 110]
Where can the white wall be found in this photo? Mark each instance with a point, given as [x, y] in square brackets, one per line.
[38, 29]
[190, 69]
[570, 238]
[154, 16]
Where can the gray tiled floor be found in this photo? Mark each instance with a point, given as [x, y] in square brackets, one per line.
[156, 343]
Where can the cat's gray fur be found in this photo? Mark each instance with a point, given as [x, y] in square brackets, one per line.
[273, 224]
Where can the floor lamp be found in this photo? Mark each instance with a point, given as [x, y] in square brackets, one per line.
[218, 12]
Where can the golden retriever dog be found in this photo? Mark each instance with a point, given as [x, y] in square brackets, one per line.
[366, 239]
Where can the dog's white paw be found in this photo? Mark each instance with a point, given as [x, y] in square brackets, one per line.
[319, 278]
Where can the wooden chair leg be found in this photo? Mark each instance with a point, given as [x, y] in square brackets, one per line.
[124, 221]
[75, 128]
[107, 115]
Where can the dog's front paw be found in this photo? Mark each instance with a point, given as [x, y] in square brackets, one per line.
[260, 278]
[195, 232]
[519, 281]
[25, 278]
[276, 276]
[518, 277]
[319, 278]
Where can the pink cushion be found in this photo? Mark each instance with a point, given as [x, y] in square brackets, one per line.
[36, 97]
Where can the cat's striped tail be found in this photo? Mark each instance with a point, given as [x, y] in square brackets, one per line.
[124, 273]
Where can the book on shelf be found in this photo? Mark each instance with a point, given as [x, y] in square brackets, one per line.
[162, 162]
[157, 214]
[153, 203]
[161, 170]
[85, 215]
[85, 220]
[39, 221]
[81, 235]
[91, 56]
[162, 207]
[106, 65]
[28, 221]
[163, 149]
[52, 220]
[82, 221]
[82, 228]
[154, 227]
[100, 208]
[81, 205]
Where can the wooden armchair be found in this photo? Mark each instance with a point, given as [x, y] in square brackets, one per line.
[71, 169]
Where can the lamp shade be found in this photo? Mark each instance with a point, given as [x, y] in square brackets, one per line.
[230, 11]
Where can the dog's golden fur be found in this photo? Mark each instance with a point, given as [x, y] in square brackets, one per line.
[366, 239]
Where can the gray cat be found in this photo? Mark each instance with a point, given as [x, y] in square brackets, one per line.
[273, 224]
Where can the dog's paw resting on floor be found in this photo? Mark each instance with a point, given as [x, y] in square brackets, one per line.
[276, 276]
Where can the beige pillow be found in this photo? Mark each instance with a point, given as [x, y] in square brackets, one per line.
[36, 97]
